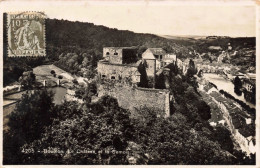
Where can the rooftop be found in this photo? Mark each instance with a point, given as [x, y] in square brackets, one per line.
[249, 81]
[251, 75]
[238, 116]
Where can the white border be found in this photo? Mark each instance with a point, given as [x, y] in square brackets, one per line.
[30, 7]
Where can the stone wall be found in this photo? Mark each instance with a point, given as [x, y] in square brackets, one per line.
[113, 54]
[115, 71]
[133, 98]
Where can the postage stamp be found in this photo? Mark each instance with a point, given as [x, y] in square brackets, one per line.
[26, 34]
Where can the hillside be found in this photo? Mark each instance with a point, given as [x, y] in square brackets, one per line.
[81, 36]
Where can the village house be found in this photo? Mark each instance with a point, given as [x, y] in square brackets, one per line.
[153, 58]
[222, 56]
[249, 82]
[251, 76]
[248, 85]
[168, 58]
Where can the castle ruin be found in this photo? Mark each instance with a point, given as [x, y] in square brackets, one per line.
[120, 77]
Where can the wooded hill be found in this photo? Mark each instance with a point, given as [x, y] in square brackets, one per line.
[84, 37]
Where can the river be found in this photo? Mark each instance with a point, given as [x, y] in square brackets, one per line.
[225, 85]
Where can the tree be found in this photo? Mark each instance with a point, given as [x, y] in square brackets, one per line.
[200, 73]
[27, 122]
[75, 81]
[204, 110]
[173, 141]
[31, 114]
[86, 93]
[89, 72]
[191, 69]
[103, 126]
[223, 136]
[53, 72]
[86, 60]
[237, 86]
[144, 78]
[27, 80]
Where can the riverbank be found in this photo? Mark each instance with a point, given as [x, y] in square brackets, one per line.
[226, 85]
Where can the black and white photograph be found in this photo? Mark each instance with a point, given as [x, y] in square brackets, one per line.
[129, 83]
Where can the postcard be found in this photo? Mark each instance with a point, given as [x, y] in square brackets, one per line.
[129, 83]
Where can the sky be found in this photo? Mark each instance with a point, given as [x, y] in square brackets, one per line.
[156, 18]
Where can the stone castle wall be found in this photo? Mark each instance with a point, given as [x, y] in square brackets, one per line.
[115, 71]
[114, 55]
[133, 98]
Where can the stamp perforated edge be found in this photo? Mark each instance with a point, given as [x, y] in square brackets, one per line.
[9, 54]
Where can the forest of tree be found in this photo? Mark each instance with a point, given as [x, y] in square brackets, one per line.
[185, 137]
